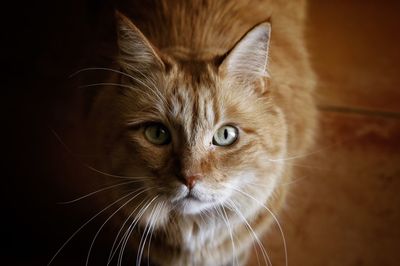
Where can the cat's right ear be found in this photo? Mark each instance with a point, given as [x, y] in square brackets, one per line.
[136, 53]
[248, 59]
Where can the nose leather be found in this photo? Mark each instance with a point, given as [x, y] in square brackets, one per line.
[191, 181]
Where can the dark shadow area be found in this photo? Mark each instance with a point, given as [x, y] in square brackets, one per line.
[45, 42]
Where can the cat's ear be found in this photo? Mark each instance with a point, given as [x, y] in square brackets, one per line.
[136, 53]
[248, 59]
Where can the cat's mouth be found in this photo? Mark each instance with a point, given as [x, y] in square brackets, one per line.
[191, 196]
[183, 194]
[191, 201]
[189, 204]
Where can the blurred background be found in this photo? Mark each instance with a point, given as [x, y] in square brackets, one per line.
[344, 208]
[344, 205]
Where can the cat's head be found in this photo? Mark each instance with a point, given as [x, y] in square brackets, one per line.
[196, 133]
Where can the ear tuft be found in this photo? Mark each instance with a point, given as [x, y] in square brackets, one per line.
[248, 60]
[136, 52]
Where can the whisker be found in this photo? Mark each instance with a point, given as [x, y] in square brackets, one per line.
[130, 230]
[296, 156]
[101, 227]
[83, 163]
[202, 217]
[157, 93]
[87, 222]
[100, 190]
[266, 257]
[152, 231]
[229, 205]
[106, 84]
[145, 235]
[153, 90]
[143, 238]
[300, 165]
[108, 174]
[292, 181]
[225, 217]
[112, 251]
[148, 78]
[273, 216]
[115, 71]
[116, 85]
[99, 68]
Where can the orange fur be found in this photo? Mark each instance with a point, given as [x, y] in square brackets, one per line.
[182, 66]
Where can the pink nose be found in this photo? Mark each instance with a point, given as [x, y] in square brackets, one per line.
[191, 180]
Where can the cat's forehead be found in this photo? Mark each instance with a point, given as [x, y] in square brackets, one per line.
[193, 99]
[194, 72]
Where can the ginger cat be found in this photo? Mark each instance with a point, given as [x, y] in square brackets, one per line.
[196, 117]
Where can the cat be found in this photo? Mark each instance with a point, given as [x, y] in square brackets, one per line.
[198, 116]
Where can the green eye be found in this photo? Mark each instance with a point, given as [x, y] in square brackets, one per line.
[225, 136]
[157, 134]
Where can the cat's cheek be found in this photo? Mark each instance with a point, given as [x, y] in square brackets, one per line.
[153, 157]
[178, 193]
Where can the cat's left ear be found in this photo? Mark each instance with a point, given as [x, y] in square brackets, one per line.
[136, 51]
[248, 59]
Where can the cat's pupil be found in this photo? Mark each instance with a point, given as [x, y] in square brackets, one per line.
[158, 132]
[226, 133]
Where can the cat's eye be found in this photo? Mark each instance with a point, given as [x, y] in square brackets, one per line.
[225, 136]
[157, 134]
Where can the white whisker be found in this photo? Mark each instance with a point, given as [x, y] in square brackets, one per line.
[114, 248]
[85, 164]
[292, 181]
[155, 92]
[101, 190]
[87, 222]
[146, 232]
[130, 230]
[266, 258]
[105, 222]
[225, 217]
[304, 154]
[99, 68]
[273, 216]
[160, 207]
[106, 84]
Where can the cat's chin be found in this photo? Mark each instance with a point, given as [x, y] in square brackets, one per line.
[190, 206]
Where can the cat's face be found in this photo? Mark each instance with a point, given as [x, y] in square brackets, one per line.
[197, 141]
[195, 133]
